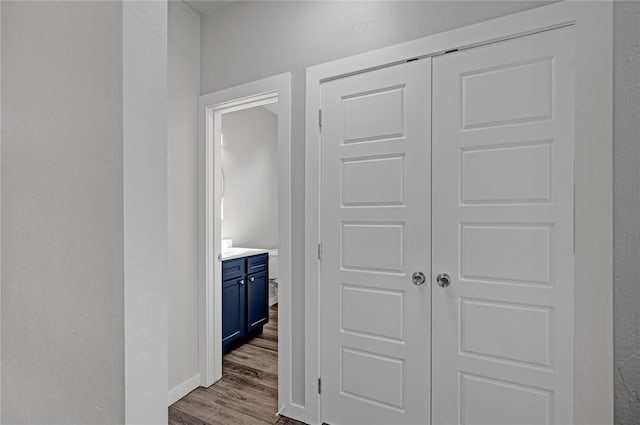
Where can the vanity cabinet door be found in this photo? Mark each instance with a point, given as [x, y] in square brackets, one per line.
[257, 300]
[234, 316]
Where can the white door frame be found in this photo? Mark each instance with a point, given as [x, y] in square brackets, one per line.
[593, 315]
[212, 106]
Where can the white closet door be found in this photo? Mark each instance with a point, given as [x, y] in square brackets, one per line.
[503, 119]
[375, 217]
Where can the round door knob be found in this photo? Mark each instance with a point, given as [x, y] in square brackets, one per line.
[418, 278]
[443, 280]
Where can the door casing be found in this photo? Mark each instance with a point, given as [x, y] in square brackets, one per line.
[211, 108]
[593, 316]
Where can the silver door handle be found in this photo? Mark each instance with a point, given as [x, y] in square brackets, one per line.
[443, 280]
[418, 278]
[251, 279]
[241, 281]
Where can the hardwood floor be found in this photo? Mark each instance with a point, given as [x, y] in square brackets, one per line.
[247, 394]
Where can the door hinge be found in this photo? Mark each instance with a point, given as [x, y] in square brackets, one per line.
[319, 252]
[320, 118]
[319, 386]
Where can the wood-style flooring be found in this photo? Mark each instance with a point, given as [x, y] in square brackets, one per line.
[247, 394]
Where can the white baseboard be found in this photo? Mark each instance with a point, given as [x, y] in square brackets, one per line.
[293, 411]
[181, 390]
[273, 300]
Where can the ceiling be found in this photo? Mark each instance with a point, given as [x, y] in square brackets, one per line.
[205, 7]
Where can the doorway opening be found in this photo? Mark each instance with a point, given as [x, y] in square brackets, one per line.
[245, 210]
[249, 218]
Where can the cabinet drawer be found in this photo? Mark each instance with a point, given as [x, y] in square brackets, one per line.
[257, 263]
[233, 268]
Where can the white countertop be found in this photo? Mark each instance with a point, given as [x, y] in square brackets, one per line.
[231, 253]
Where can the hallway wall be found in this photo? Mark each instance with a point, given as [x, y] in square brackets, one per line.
[62, 213]
[84, 224]
[182, 160]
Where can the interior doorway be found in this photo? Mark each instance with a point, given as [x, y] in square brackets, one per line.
[249, 221]
[224, 241]
[247, 389]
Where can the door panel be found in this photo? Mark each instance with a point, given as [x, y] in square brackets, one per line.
[503, 229]
[375, 232]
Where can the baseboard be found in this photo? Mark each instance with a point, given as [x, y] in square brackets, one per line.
[181, 390]
[293, 411]
[273, 300]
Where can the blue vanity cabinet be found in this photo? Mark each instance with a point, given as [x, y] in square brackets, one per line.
[245, 299]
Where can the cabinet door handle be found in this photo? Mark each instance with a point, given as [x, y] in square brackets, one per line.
[251, 279]
[241, 281]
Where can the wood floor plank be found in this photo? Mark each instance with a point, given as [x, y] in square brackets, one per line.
[252, 401]
[209, 411]
[178, 417]
[268, 334]
[267, 344]
[249, 377]
[247, 394]
[254, 357]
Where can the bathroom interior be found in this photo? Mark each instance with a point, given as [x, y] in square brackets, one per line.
[249, 212]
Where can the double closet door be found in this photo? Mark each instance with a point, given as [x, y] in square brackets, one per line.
[447, 232]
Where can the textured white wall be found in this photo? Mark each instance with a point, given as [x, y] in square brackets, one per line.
[62, 225]
[144, 152]
[250, 164]
[627, 211]
[255, 39]
[184, 91]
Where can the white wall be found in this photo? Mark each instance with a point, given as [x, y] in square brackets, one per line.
[84, 302]
[184, 91]
[250, 165]
[627, 211]
[144, 158]
[62, 213]
[251, 40]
